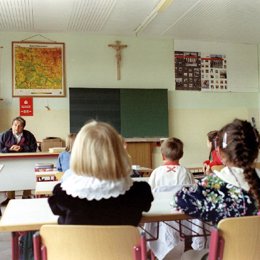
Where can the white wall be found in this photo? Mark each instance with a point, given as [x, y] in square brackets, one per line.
[146, 63]
[194, 114]
[89, 63]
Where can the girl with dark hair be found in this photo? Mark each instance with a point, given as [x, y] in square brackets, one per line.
[214, 158]
[235, 190]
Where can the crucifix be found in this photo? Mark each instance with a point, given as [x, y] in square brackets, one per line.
[118, 48]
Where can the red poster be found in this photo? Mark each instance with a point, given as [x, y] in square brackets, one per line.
[26, 106]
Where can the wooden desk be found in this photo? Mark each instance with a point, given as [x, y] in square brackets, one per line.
[17, 171]
[141, 149]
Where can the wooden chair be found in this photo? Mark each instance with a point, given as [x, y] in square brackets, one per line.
[69, 242]
[236, 238]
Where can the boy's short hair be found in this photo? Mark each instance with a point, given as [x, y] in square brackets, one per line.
[172, 149]
[98, 152]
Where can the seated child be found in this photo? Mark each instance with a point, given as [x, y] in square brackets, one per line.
[171, 173]
[63, 162]
[235, 190]
[214, 158]
[99, 189]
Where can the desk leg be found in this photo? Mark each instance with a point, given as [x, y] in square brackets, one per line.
[15, 245]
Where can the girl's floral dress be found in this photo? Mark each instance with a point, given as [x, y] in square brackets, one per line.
[221, 195]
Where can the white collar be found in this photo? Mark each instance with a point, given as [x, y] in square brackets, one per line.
[234, 176]
[86, 187]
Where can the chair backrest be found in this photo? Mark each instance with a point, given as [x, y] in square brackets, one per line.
[80, 242]
[236, 238]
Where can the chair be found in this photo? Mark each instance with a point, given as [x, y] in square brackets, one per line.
[69, 242]
[236, 238]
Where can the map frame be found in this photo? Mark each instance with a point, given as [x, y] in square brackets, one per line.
[38, 69]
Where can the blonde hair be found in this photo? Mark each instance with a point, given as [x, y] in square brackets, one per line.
[70, 141]
[98, 151]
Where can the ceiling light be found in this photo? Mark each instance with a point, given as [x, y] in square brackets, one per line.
[160, 7]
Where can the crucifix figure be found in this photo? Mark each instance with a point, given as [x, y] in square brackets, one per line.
[118, 48]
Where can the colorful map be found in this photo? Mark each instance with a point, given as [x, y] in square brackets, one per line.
[38, 68]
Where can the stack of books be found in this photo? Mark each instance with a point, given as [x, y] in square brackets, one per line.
[43, 167]
[45, 172]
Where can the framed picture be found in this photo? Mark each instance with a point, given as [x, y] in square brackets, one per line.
[38, 69]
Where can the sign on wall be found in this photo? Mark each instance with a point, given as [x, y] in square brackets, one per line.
[26, 106]
[200, 71]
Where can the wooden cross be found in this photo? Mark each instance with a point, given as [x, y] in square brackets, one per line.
[118, 48]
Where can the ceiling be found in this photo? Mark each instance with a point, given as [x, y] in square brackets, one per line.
[213, 20]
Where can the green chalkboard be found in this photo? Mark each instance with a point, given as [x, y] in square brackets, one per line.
[133, 112]
[144, 112]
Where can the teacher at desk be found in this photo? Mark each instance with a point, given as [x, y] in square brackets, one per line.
[17, 140]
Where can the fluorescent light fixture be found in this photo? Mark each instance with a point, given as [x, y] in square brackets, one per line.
[160, 7]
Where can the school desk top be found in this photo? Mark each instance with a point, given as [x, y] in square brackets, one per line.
[31, 214]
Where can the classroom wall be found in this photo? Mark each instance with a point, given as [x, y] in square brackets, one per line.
[146, 63]
[89, 63]
[194, 114]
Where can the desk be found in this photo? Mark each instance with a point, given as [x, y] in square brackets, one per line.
[161, 209]
[17, 171]
[141, 149]
[30, 214]
[44, 188]
[45, 175]
[26, 215]
[144, 171]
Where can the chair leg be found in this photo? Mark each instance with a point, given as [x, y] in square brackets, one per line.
[152, 256]
[15, 245]
[37, 246]
[143, 247]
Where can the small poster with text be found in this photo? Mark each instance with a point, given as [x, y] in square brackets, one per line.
[26, 106]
